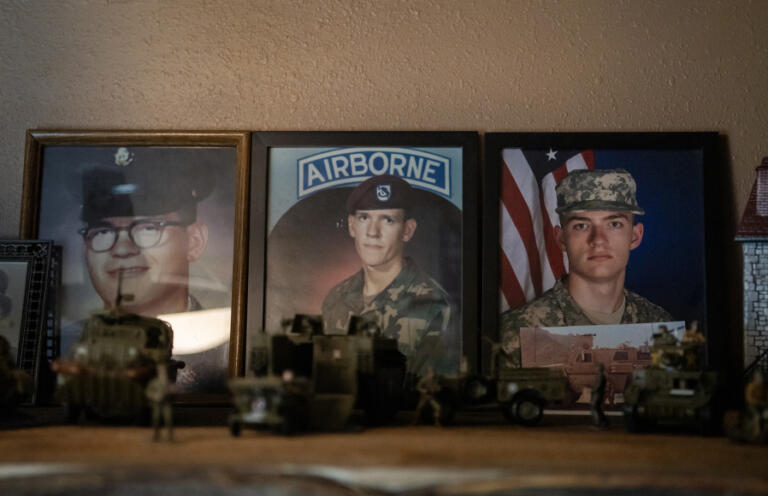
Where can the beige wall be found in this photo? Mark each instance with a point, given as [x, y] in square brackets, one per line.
[351, 65]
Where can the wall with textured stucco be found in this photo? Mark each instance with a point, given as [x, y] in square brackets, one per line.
[383, 64]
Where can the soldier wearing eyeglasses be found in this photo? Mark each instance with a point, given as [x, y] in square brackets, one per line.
[140, 219]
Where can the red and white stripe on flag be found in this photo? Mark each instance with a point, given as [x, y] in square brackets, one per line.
[531, 261]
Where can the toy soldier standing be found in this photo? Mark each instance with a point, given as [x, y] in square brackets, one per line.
[159, 392]
[756, 396]
[597, 397]
[428, 386]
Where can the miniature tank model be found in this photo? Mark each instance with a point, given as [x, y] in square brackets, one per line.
[673, 390]
[15, 384]
[360, 369]
[107, 370]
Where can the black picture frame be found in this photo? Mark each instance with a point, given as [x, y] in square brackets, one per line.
[27, 269]
[49, 205]
[672, 187]
[263, 148]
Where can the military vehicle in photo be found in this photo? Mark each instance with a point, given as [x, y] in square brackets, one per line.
[304, 379]
[673, 390]
[107, 370]
[577, 357]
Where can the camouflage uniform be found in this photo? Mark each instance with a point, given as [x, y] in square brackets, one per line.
[556, 308]
[413, 309]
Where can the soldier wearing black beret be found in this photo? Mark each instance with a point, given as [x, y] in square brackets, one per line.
[390, 290]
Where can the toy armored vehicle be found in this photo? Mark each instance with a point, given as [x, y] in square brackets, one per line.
[15, 384]
[304, 379]
[107, 370]
[673, 390]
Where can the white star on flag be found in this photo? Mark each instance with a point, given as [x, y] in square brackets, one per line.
[551, 154]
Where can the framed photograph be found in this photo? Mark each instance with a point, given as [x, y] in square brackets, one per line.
[381, 225]
[675, 262]
[25, 268]
[163, 213]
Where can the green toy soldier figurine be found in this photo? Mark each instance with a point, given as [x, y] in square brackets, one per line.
[756, 398]
[597, 397]
[159, 393]
[693, 335]
[428, 386]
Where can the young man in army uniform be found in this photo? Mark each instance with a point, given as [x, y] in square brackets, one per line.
[597, 231]
[390, 290]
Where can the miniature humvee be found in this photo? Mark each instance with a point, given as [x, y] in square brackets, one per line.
[107, 369]
[280, 404]
[673, 390]
[360, 369]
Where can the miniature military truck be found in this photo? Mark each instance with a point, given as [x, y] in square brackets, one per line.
[673, 390]
[304, 379]
[106, 371]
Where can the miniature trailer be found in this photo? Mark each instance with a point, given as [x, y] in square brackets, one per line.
[520, 393]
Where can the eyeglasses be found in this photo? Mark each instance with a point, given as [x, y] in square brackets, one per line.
[144, 233]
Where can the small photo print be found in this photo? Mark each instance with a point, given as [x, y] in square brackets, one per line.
[576, 351]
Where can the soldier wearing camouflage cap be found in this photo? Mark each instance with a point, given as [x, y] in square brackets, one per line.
[597, 231]
[390, 290]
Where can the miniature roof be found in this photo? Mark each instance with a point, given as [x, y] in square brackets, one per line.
[754, 226]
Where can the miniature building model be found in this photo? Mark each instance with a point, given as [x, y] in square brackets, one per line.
[753, 234]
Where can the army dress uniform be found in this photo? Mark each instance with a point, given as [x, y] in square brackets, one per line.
[145, 182]
[413, 307]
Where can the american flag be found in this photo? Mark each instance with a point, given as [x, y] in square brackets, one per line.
[531, 260]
